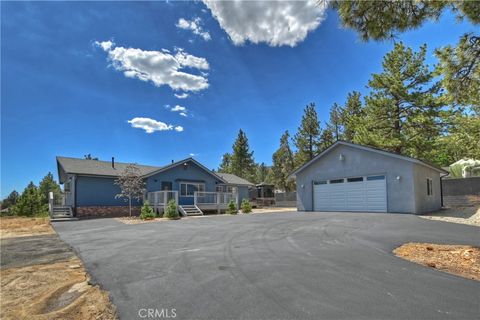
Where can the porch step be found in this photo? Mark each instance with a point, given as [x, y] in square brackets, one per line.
[61, 212]
[190, 210]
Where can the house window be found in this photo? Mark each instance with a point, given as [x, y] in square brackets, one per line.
[429, 187]
[231, 189]
[356, 179]
[372, 178]
[219, 189]
[336, 181]
[188, 189]
[66, 187]
[320, 182]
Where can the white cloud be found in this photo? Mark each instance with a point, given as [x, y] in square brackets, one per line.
[193, 154]
[195, 26]
[158, 67]
[178, 108]
[183, 114]
[276, 23]
[151, 125]
[181, 96]
[105, 45]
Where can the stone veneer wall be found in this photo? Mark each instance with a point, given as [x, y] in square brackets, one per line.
[105, 212]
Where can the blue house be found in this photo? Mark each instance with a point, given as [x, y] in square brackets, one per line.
[90, 189]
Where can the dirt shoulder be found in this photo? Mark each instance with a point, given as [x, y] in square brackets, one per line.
[460, 260]
[42, 278]
[464, 215]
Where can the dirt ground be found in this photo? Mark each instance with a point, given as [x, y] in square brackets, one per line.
[23, 227]
[464, 215]
[460, 260]
[42, 278]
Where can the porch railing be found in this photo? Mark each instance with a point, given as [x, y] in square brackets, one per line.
[161, 198]
[217, 198]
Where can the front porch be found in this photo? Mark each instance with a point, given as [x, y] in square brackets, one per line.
[202, 201]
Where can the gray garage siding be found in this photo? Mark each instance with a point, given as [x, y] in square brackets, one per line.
[425, 203]
[357, 162]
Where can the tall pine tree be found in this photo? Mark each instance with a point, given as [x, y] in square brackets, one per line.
[351, 115]
[307, 139]
[242, 163]
[283, 164]
[403, 111]
[47, 185]
[226, 165]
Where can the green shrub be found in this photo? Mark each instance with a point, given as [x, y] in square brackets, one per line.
[147, 212]
[171, 211]
[232, 208]
[246, 206]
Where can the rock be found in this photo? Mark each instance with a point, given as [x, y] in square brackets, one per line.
[431, 264]
[429, 248]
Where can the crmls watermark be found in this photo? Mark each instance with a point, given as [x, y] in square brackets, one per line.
[154, 313]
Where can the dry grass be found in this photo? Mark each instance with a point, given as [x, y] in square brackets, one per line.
[272, 210]
[52, 291]
[11, 227]
[463, 215]
[460, 260]
[137, 220]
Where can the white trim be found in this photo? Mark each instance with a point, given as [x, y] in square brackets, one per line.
[365, 148]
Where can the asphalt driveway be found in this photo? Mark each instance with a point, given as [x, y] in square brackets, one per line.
[274, 266]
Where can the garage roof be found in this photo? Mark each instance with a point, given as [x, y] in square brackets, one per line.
[367, 148]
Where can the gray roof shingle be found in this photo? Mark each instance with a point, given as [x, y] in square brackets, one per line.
[97, 167]
[233, 179]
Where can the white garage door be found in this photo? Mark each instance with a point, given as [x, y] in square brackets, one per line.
[351, 194]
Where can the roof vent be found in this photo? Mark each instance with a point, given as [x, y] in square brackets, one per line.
[172, 160]
[113, 162]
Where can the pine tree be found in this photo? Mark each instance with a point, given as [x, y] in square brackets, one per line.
[48, 185]
[335, 124]
[242, 163]
[30, 203]
[307, 138]
[402, 112]
[283, 164]
[460, 67]
[226, 165]
[351, 115]
[261, 173]
[10, 200]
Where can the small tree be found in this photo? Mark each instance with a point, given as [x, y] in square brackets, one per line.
[30, 203]
[131, 185]
[246, 206]
[147, 212]
[47, 185]
[232, 208]
[171, 211]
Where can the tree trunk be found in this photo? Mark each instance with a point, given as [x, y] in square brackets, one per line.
[130, 206]
[396, 125]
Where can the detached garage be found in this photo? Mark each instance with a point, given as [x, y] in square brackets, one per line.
[352, 177]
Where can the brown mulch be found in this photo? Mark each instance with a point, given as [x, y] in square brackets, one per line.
[460, 260]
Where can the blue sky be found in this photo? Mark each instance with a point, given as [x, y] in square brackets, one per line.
[63, 94]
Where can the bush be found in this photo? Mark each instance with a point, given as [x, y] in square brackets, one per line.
[147, 212]
[232, 208]
[171, 210]
[246, 206]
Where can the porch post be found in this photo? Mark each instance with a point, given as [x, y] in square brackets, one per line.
[218, 195]
[176, 200]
